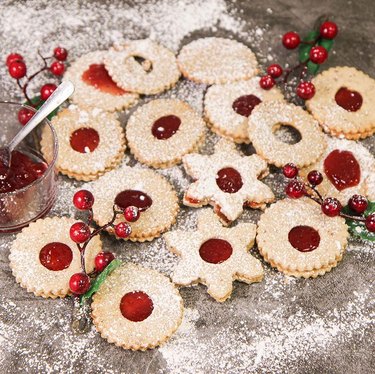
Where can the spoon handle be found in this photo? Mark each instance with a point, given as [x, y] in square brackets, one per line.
[62, 93]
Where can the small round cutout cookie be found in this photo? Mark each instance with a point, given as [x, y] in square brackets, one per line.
[94, 87]
[161, 132]
[268, 117]
[142, 66]
[43, 257]
[137, 308]
[216, 61]
[227, 107]
[299, 240]
[344, 102]
[140, 187]
[91, 142]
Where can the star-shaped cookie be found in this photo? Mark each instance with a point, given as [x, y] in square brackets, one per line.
[226, 180]
[215, 255]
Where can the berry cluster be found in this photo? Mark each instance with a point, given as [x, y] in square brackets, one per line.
[296, 188]
[313, 52]
[81, 234]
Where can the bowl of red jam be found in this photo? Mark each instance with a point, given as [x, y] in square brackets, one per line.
[28, 189]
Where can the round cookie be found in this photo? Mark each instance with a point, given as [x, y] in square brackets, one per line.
[216, 61]
[228, 106]
[160, 132]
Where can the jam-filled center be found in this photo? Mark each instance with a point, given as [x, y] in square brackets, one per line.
[165, 127]
[229, 180]
[97, 76]
[350, 100]
[245, 104]
[136, 306]
[304, 238]
[342, 169]
[133, 198]
[56, 256]
[215, 251]
[84, 140]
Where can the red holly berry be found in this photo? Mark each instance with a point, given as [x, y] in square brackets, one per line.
[290, 170]
[79, 232]
[328, 30]
[370, 222]
[314, 177]
[318, 54]
[295, 189]
[291, 40]
[60, 53]
[358, 203]
[79, 283]
[123, 230]
[331, 207]
[275, 70]
[83, 200]
[132, 213]
[47, 90]
[305, 90]
[24, 115]
[12, 58]
[17, 69]
[266, 82]
[102, 259]
[57, 68]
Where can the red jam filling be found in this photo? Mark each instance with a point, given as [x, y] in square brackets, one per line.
[165, 127]
[215, 251]
[244, 105]
[342, 169]
[348, 99]
[136, 306]
[229, 180]
[84, 140]
[97, 75]
[304, 238]
[21, 172]
[133, 198]
[55, 256]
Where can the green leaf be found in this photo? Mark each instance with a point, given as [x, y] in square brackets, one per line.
[304, 49]
[38, 102]
[358, 228]
[326, 43]
[311, 36]
[312, 68]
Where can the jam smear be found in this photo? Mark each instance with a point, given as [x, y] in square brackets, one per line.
[215, 251]
[245, 104]
[56, 256]
[342, 169]
[304, 238]
[348, 99]
[97, 75]
[229, 180]
[136, 306]
[133, 198]
[84, 140]
[165, 127]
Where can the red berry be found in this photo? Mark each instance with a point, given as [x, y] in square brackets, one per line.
[79, 232]
[79, 283]
[370, 222]
[102, 259]
[83, 200]
[132, 213]
[24, 115]
[290, 170]
[295, 189]
[57, 68]
[314, 177]
[291, 40]
[358, 203]
[331, 207]
[275, 70]
[47, 90]
[60, 53]
[328, 30]
[123, 230]
[17, 69]
[13, 57]
[266, 82]
[318, 54]
[305, 90]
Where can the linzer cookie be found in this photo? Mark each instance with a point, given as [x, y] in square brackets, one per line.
[370, 187]
[228, 106]
[344, 102]
[299, 240]
[91, 142]
[94, 87]
[43, 257]
[151, 193]
[227, 181]
[142, 66]
[267, 117]
[214, 255]
[217, 60]
[137, 308]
